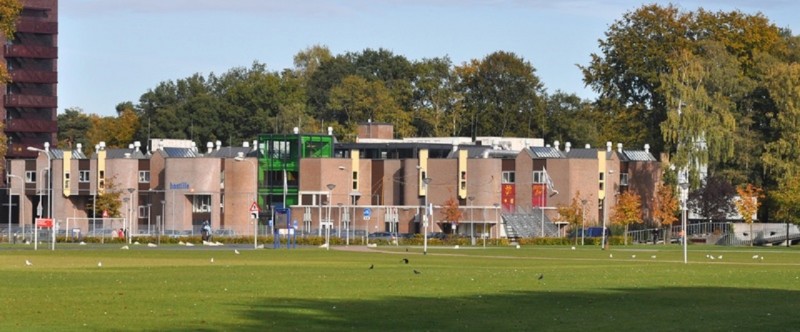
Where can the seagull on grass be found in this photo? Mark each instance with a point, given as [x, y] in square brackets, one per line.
[125, 247]
[212, 259]
[99, 264]
[28, 263]
[236, 251]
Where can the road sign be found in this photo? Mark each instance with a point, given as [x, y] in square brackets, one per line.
[367, 212]
[44, 223]
[254, 207]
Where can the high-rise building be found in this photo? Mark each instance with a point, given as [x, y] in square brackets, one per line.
[29, 102]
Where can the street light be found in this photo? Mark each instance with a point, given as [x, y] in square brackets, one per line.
[328, 224]
[606, 182]
[9, 175]
[471, 220]
[425, 183]
[239, 158]
[583, 218]
[496, 221]
[130, 216]
[683, 183]
[162, 222]
[46, 152]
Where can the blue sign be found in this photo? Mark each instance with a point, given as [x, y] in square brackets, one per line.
[367, 212]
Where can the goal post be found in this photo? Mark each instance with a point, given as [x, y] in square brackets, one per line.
[105, 227]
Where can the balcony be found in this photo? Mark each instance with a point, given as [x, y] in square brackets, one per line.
[31, 101]
[28, 51]
[34, 76]
[20, 150]
[31, 125]
[33, 26]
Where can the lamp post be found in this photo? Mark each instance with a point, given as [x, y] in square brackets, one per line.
[605, 207]
[583, 218]
[162, 222]
[9, 175]
[46, 152]
[683, 183]
[425, 183]
[496, 221]
[239, 158]
[341, 217]
[471, 220]
[329, 222]
[130, 216]
[148, 218]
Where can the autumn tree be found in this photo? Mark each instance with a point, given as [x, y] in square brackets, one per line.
[628, 210]
[748, 203]
[785, 199]
[451, 213]
[572, 214]
[108, 201]
[9, 12]
[665, 206]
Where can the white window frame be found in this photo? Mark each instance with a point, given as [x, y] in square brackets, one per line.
[83, 176]
[30, 176]
[144, 176]
[201, 203]
[538, 177]
[509, 177]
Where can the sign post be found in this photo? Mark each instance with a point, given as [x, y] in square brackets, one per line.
[367, 215]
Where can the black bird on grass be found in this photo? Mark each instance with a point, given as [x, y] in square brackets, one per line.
[541, 276]
[417, 272]
[405, 260]
[371, 266]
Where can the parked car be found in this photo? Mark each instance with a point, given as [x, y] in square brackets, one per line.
[386, 236]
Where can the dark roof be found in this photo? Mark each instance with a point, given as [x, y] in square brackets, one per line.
[232, 152]
[121, 154]
[582, 154]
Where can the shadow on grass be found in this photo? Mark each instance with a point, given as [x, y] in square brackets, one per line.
[663, 309]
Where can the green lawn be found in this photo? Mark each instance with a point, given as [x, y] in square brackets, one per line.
[179, 288]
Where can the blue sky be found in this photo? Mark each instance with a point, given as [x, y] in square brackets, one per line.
[114, 51]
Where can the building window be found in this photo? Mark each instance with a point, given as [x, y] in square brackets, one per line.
[355, 181]
[201, 203]
[538, 177]
[508, 177]
[144, 176]
[623, 179]
[83, 176]
[30, 176]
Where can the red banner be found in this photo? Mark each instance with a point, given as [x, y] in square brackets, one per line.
[538, 195]
[44, 223]
[508, 193]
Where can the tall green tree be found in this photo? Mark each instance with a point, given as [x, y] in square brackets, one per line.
[73, 127]
[502, 96]
[436, 103]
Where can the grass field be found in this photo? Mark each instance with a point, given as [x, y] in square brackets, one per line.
[310, 289]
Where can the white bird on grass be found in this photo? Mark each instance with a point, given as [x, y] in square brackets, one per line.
[125, 248]
[633, 256]
[212, 259]
[573, 247]
[653, 257]
[720, 256]
[755, 256]
[152, 245]
[610, 255]
[236, 251]
[189, 244]
[28, 263]
[99, 264]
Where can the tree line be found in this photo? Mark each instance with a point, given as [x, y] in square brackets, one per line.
[715, 91]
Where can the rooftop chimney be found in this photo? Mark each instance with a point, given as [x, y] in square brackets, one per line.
[210, 147]
[647, 148]
[556, 144]
[588, 146]
[608, 146]
[245, 144]
[619, 147]
[219, 145]
[330, 131]
[296, 130]
[567, 146]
